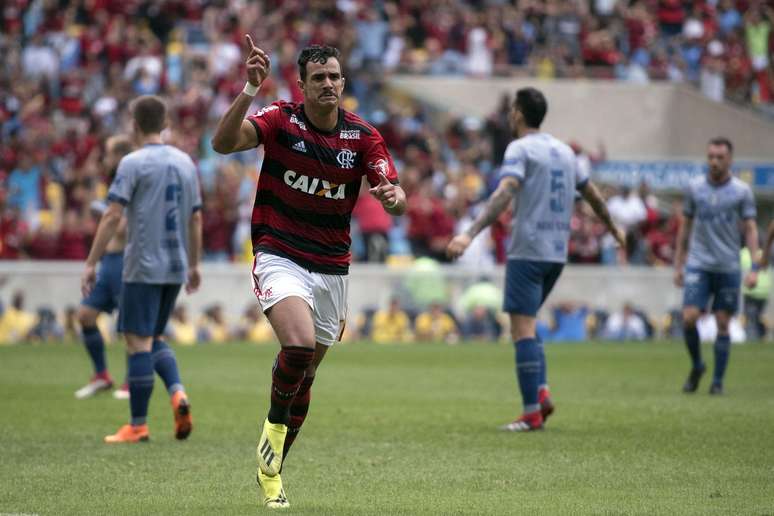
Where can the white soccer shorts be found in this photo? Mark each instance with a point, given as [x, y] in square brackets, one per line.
[276, 278]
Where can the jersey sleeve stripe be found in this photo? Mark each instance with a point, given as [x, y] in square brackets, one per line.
[257, 130]
[513, 173]
[115, 198]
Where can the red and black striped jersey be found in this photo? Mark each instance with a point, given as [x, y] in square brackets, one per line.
[309, 183]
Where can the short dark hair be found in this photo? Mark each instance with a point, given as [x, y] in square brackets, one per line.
[122, 144]
[722, 140]
[316, 54]
[150, 113]
[532, 104]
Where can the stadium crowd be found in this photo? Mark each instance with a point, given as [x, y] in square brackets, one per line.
[71, 68]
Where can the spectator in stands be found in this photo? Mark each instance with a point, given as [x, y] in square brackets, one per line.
[430, 225]
[374, 224]
[480, 324]
[71, 326]
[436, 325]
[213, 326]
[755, 299]
[46, 327]
[16, 322]
[628, 211]
[625, 325]
[569, 323]
[254, 327]
[73, 239]
[180, 328]
[392, 325]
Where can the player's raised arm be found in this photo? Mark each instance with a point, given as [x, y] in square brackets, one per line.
[594, 198]
[499, 200]
[234, 133]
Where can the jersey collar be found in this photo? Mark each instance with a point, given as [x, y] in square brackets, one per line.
[339, 122]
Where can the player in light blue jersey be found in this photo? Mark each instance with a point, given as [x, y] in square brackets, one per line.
[719, 212]
[105, 295]
[540, 175]
[157, 186]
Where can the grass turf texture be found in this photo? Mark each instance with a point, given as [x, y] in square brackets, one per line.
[399, 430]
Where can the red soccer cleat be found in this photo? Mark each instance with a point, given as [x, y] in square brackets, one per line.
[526, 423]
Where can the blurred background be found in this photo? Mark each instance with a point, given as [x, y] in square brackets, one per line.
[635, 87]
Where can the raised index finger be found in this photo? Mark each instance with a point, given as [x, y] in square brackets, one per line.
[250, 43]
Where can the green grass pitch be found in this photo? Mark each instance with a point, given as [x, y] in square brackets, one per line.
[399, 430]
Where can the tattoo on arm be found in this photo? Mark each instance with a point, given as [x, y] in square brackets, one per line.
[494, 206]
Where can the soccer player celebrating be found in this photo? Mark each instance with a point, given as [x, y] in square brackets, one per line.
[315, 157]
[541, 174]
[104, 297]
[717, 208]
[158, 186]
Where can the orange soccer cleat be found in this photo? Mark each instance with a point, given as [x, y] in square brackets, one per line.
[129, 434]
[181, 408]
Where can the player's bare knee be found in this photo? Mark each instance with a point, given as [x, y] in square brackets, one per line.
[522, 327]
[87, 317]
[723, 321]
[690, 316]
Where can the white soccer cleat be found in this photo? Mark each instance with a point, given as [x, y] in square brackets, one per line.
[95, 386]
[122, 393]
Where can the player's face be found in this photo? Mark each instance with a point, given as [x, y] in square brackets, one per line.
[719, 160]
[324, 83]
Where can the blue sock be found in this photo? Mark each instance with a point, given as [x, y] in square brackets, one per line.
[543, 381]
[95, 346]
[528, 372]
[140, 386]
[722, 350]
[165, 364]
[693, 345]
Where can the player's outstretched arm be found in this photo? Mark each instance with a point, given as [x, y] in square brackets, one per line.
[498, 201]
[105, 231]
[234, 133]
[594, 198]
[194, 252]
[767, 246]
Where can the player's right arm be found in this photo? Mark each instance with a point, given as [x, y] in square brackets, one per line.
[194, 252]
[105, 232]
[234, 133]
[683, 236]
[682, 248]
[592, 196]
[496, 204]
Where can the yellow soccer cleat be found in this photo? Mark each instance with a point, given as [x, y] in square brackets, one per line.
[273, 493]
[270, 447]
